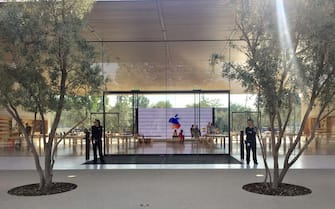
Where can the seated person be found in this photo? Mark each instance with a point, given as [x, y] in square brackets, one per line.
[181, 136]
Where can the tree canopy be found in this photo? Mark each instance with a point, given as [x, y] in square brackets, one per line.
[162, 104]
[289, 50]
[45, 60]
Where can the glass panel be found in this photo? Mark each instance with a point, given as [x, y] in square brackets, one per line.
[122, 108]
[153, 117]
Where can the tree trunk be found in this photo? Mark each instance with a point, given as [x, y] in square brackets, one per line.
[13, 112]
[275, 182]
[47, 166]
[283, 173]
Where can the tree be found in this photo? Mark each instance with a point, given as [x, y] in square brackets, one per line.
[77, 107]
[239, 116]
[162, 104]
[143, 101]
[123, 107]
[289, 50]
[221, 113]
[206, 102]
[96, 104]
[45, 58]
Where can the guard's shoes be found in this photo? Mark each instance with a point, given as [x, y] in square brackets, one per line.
[102, 160]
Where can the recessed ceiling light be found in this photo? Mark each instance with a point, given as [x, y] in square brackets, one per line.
[259, 175]
[71, 176]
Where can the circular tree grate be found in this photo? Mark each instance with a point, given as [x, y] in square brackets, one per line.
[283, 189]
[33, 189]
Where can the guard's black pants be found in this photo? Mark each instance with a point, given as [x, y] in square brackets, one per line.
[251, 145]
[97, 144]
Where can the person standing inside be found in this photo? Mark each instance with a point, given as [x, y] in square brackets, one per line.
[181, 136]
[192, 131]
[97, 140]
[212, 129]
[209, 126]
[196, 133]
[250, 131]
[28, 129]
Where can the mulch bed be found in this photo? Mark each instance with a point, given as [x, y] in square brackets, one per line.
[33, 189]
[283, 189]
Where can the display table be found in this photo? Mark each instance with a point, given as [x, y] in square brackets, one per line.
[209, 138]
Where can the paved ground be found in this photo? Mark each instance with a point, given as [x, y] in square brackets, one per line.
[168, 189]
[76, 163]
[168, 186]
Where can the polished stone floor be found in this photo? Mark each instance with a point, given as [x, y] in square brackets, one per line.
[319, 155]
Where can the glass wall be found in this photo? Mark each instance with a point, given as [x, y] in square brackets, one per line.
[155, 115]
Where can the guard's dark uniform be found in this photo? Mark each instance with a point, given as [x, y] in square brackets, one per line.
[251, 144]
[97, 142]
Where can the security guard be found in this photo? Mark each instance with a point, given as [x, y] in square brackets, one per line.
[96, 140]
[250, 131]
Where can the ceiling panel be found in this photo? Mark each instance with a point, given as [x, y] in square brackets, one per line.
[125, 20]
[198, 20]
[164, 44]
[135, 52]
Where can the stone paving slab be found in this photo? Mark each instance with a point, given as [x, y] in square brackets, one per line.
[168, 189]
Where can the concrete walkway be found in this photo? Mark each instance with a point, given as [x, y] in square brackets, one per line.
[168, 189]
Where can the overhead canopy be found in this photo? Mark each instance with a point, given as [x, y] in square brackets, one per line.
[164, 44]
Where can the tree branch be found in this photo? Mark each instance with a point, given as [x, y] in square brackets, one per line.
[283, 128]
[62, 92]
[311, 138]
[299, 134]
[14, 113]
[327, 114]
[63, 137]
